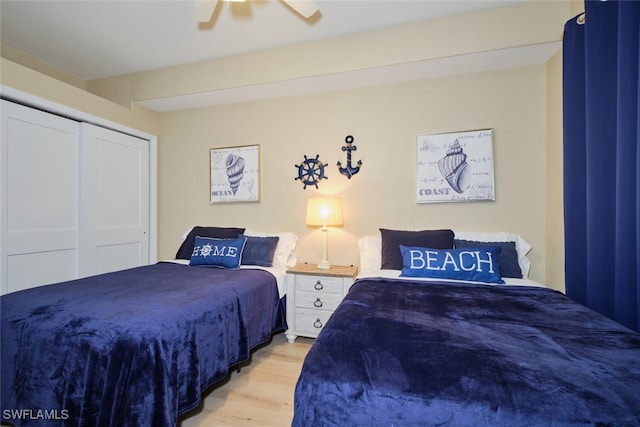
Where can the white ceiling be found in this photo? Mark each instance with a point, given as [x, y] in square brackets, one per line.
[95, 39]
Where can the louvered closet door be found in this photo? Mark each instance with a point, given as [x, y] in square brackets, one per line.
[39, 187]
[114, 200]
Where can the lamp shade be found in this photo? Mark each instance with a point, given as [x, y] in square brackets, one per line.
[324, 211]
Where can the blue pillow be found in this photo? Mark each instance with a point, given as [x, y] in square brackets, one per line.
[186, 248]
[509, 265]
[391, 258]
[259, 250]
[477, 265]
[225, 253]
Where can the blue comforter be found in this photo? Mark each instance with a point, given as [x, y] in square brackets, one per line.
[130, 348]
[399, 353]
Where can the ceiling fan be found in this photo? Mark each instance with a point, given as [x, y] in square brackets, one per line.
[203, 9]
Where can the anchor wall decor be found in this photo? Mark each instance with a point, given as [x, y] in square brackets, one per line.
[350, 170]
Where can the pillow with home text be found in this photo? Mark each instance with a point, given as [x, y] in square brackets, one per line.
[186, 248]
[476, 264]
[224, 253]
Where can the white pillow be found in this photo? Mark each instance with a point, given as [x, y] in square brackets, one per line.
[522, 247]
[370, 252]
[184, 236]
[285, 255]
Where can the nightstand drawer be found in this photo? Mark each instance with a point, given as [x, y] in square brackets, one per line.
[332, 285]
[310, 322]
[312, 295]
[317, 300]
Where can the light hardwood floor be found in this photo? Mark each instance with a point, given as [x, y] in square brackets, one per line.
[261, 394]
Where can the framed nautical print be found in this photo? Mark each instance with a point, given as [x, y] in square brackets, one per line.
[455, 167]
[235, 174]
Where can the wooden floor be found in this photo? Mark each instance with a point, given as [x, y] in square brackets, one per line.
[261, 394]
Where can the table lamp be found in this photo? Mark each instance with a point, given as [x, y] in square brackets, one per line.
[324, 212]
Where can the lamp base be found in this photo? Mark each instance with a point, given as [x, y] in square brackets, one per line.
[324, 265]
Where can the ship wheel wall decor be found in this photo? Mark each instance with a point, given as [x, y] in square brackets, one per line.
[311, 171]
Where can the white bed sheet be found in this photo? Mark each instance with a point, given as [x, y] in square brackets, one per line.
[280, 273]
[395, 274]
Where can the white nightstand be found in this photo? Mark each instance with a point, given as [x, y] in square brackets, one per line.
[313, 295]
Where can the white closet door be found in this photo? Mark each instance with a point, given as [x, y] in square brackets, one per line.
[39, 186]
[114, 200]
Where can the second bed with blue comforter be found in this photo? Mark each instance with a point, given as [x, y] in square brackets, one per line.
[409, 353]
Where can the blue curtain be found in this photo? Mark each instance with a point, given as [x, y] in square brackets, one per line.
[601, 104]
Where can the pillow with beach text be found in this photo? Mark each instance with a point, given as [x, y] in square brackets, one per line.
[474, 264]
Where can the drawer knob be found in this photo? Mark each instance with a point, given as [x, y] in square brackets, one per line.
[317, 303]
[317, 324]
[318, 286]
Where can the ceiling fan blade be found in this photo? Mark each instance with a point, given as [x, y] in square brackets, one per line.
[203, 9]
[305, 8]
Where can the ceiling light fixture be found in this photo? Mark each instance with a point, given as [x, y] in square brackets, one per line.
[203, 9]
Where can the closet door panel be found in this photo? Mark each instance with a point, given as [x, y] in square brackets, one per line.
[26, 270]
[40, 240]
[118, 256]
[39, 171]
[115, 198]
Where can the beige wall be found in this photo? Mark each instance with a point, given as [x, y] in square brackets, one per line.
[384, 121]
[554, 211]
[27, 80]
[522, 105]
[513, 26]
[28, 61]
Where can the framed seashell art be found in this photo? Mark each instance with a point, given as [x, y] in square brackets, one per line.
[455, 167]
[235, 174]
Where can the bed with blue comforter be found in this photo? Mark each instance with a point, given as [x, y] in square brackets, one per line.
[400, 352]
[130, 348]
